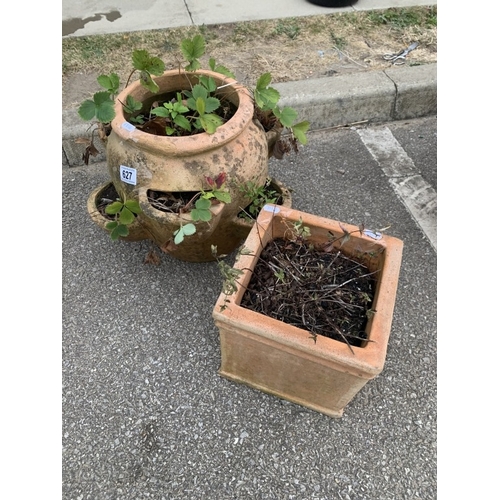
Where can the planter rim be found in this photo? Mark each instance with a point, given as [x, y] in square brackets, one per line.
[186, 145]
[368, 360]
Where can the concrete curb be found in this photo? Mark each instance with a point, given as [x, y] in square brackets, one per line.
[398, 93]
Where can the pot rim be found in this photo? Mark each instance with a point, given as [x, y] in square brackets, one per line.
[181, 146]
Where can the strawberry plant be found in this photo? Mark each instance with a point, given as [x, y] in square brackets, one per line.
[191, 111]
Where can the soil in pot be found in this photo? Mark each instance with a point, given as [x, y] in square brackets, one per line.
[107, 196]
[316, 289]
[171, 202]
[165, 124]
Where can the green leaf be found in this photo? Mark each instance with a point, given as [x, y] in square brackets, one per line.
[197, 124]
[287, 116]
[189, 229]
[223, 196]
[200, 105]
[126, 216]
[201, 214]
[147, 81]
[199, 91]
[119, 230]
[182, 122]
[156, 66]
[170, 110]
[191, 103]
[210, 123]
[102, 97]
[180, 108]
[111, 225]
[142, 61]
[202, 210]
[211, 85]
[133, 206]
[263, 81]
[132, 105]
[178, 236]
[266, 98]
[219, 68]
[208, 82]
[193, 48]
[137, 119]
[122, 230]
[101, 107]
[299, 131]
[203, 204]
[211, 104]
[114, 208]
[109, 82]
[161, 111]
[193, 66]
[224, 71]
[87, 110]
[105, 112]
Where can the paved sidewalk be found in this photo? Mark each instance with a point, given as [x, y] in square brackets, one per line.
[95, 17]
[145, 414]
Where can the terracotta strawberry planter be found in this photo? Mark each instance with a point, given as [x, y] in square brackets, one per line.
[139, 161]
[283, 360]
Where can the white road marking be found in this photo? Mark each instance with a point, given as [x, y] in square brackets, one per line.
[419, 197]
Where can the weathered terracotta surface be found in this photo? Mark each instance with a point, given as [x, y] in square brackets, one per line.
[283, 360]
[137, 231]
[173, 164]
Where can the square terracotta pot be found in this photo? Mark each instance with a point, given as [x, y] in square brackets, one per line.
[283, 360]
